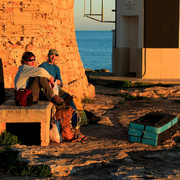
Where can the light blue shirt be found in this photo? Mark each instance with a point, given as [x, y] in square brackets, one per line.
[53, 70]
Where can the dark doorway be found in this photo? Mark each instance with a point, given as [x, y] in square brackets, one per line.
[27, 133]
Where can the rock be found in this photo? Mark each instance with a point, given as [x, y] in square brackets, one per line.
[128, 160]
[121, 155]
[105, 70]
[123, 92]
[90, 70]
[108, 154]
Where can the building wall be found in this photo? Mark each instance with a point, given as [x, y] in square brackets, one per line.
[38, 26]
[161, 63]
[161, 40]
[161, 24]
[123, 13]
[122, 53]
[120, 64]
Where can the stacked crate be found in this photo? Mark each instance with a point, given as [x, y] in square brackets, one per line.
[153, 128]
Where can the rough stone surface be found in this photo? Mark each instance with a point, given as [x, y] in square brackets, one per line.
[40, 112]
[154, 92]
[108, 154]
[38, 26]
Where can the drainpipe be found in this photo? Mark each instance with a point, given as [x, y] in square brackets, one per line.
[114, 36]
[144, 39]
[115, 23]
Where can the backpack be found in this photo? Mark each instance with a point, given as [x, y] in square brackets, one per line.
[70, 123]
[23, 97]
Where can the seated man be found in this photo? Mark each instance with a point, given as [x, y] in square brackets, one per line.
[54, 70]
[35, 79]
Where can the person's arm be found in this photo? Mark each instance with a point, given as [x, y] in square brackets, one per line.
[58, 78]
[51, 81]
[58, 82]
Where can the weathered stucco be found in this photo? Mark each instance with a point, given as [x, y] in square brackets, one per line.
[38, 26]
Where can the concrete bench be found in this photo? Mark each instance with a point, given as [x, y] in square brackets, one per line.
[39, 113]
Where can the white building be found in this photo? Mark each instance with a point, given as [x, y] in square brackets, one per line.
[146, 39]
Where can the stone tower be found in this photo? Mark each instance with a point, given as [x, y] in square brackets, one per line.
[38, 26]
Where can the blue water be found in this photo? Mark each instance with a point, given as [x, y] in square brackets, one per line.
[95, 48]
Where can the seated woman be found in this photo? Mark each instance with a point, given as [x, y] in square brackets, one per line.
[34, 79]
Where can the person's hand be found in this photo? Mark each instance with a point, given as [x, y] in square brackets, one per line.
[58, 82]
[51, 82]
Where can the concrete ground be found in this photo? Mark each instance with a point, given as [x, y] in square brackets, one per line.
[108, 154]
[108, 79]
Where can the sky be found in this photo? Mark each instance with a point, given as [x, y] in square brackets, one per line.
[84, 23]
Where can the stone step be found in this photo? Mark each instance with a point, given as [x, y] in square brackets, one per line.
[41, 113]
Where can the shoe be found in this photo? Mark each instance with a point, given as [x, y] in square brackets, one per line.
[93, 119]
[61, 106]
[57, 100]
[35, 102]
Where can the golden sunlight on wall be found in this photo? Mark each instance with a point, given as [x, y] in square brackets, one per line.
[38, 26]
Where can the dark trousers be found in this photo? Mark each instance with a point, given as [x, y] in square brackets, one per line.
[40, 85]
[66, 96]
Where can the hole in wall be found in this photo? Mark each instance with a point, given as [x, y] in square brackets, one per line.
[27, 133]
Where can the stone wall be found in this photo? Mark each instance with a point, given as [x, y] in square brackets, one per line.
[38, 26]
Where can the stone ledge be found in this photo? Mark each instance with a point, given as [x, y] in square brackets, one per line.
[41, 112]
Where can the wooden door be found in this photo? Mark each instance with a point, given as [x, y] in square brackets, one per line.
[133, 44]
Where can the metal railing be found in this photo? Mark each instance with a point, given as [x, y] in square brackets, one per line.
[92, 15]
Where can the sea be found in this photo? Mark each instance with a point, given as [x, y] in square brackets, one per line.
[95, 48]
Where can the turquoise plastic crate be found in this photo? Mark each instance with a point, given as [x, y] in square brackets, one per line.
[153, 128]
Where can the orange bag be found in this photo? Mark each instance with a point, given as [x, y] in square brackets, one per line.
[70, 122]
[64, 116]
